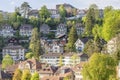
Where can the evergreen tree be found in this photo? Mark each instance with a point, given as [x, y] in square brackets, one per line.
[35, 43]
[90, 19]
[17, 74]
[93, 47]
[25, 8]
[72, 37]
[7, 61]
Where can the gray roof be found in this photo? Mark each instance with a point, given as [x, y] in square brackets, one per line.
[26, 27]
[13, 47]
[44, 26]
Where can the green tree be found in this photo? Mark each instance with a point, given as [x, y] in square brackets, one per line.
[7, 61]
[97, 32]
[90, 19]
[35, 43]
[34, 21]
[62, 12]
[72, 37]
[99, 67]
[111, 24]
[93, 47]
[44, 13]
[29, 55]
[74, 59]
[25, 8]
[35, 76]
[66, 78]
[1, 18]
[61, 61]
[17, 74]
[26, 75]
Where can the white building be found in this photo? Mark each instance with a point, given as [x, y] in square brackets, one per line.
[53, 59]
[112, 45]
[52, 46]
[78, 71]
[79, 29]
[80, 43]
[17, 52]
[7, 31]
[26, 30]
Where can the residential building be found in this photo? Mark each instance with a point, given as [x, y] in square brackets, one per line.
[80, 43]
[7, 31]
[17, 52]
[68, 7]
[57, 47]
[34, 65]
[26, 30]
[44, 28]
[101, 13]
[112, 45]
[118, 71]
[53, 46]
[33, 13]
[53, 59]
[61, 30]
[50, 58]
[54, 13]
[61, 74]
[79, 29]
[77, 69]
[81, 13]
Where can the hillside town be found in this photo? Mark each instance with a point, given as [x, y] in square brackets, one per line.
[64, 43]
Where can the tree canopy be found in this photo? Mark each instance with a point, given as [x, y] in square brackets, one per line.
[26, 75]
[7, 61]
[111, 25]
[35, 76]
[17, 74]
[99, 67]
[35, 43]
[72, 37]
[44, 13]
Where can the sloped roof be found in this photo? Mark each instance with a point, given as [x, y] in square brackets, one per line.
[26, 27]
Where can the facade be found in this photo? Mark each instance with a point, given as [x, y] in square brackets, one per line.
[7, 31]
[79, 29]
[44, 28]
[61, 30]
[81, 13]
[53, 59]
[33, 13]
[61, 74]
[112, 45]
[80, 43]
[35, 66]
[26, 30]
[32, 64]
[54, 13]
[17, 52]
[77, 71]
[53, 46]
